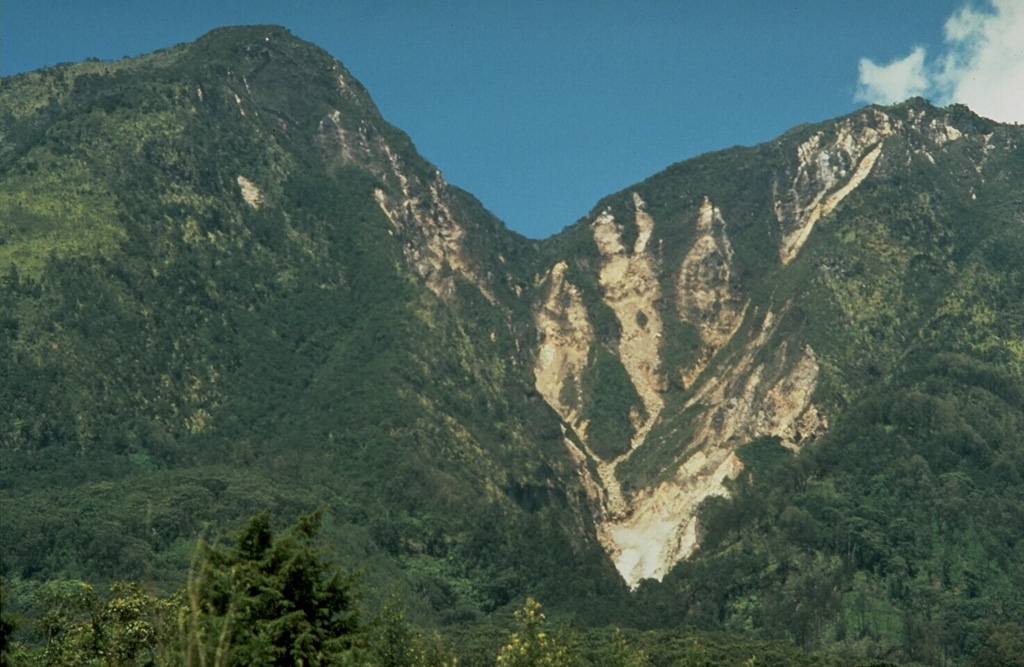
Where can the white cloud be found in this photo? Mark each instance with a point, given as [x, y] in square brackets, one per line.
[981, 65]
[895, 82]
[984, 67]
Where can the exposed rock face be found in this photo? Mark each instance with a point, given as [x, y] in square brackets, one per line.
[650, 531]
[250, 193]
[826, 173]
[662, 526]
[749, 400]
[631, 289]
[565, 336]
[433, 236]
[704, 292]
[768, 398]
[751, 377]
[419, 209]
[829, 168]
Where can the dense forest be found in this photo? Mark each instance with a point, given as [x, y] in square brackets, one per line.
[269, 597]
[269, 387]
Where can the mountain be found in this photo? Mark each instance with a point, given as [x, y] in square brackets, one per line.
[233, 286]
[774, 389]
[759, 292]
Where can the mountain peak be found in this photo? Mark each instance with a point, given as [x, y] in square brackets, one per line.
[244, 49]
[919, 114]
[241, 33]
[235, 285]
[229, 40]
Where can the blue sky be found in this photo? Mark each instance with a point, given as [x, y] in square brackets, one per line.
[540, 108]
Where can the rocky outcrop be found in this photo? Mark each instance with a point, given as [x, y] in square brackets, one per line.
[250, 193]
[827, 171]
[565, 336]
[763, 388]
[747, 401]
[830, 166]
[418, 208]
[433, 236]
[769, 398]
[763, 381]
[630, 288]
[704, 292]
[661, 528]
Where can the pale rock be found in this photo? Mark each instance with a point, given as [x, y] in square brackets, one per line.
[818, 184]
[565, 335]
[250, 193]
[704, 294]
[630, 288]
[660, 527]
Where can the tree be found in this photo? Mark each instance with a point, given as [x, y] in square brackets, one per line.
[10, 651]
[274, 600]
[394, 643]
[1003, 646]
[532, 645]
[391, 642]
[617, 652]
[127, 626]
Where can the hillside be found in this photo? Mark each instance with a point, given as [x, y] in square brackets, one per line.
[774, 390]
[822, 336]
[232, 286]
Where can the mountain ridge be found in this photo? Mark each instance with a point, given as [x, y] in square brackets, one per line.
[709, 299]
[236, 286]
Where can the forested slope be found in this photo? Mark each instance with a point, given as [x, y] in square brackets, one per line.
[211, 307]
[776, 390]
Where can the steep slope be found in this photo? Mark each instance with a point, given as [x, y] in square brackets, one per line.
[754, 292]
[776, 389]
[231, 285]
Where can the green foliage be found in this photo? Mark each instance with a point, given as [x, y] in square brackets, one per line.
[532, 644]
[1003, 645]
[74, 624]
[58, 207]
[175, 358]
[612, 400]
[276, 599]
[393, 642]
[896, 532]
[618, 651]
[182, 630]
[206, 359]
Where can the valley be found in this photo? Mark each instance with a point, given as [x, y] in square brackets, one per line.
[774, 391]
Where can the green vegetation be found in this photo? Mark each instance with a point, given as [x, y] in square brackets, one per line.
[177, 359]
[274, 598]
[897, 535]
[270, 601]
[612, 399]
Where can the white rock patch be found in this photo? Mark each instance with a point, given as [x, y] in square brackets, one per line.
[631, 290]
[813, 192]
[250, 193]
[565, 334]
[704, 293]
[660, 527]
[792, 242]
